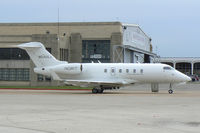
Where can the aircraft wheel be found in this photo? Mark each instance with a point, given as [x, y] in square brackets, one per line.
[100, 90]
[94, 90]
[170, 91]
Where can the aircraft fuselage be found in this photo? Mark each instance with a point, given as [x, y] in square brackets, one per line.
[126, 73]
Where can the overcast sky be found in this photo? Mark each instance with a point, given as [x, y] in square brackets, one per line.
[174, 25]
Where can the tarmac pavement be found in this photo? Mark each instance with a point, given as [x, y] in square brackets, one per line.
[128, 110]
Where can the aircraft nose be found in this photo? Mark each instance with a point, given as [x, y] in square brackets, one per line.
[183, 77]
[187, 78]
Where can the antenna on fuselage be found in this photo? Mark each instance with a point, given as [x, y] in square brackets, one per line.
[99, 61]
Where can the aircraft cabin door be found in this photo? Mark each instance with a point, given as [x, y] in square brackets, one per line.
[112, 71]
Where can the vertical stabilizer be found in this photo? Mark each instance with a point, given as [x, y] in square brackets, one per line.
[39, 55]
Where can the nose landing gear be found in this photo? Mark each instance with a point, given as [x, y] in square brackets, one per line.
[170, 89]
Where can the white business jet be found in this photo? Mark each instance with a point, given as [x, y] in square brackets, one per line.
[100, 76]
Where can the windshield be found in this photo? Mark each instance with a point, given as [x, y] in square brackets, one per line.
[167, 68]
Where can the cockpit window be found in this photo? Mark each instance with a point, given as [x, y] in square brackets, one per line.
[167, 68]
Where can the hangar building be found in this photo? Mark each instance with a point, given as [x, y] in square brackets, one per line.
[72, 42]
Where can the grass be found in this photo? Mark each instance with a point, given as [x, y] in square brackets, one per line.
[45, 87]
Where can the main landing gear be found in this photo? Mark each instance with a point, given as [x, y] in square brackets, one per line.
[101, 88]
[170, 89]
[97, 90]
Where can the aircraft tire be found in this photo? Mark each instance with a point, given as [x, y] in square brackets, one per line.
[170, 91]
[94, 91]
[100, 90]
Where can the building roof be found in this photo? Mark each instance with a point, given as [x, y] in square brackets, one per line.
[179, 59]
[61, 24]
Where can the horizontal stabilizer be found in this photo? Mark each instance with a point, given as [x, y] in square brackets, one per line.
[30, 45]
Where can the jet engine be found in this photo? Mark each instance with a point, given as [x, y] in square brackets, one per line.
[68, 68]
[60, 69]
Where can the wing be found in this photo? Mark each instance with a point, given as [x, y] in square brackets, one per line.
[92, 83]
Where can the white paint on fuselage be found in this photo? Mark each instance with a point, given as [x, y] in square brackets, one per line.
[147, 73]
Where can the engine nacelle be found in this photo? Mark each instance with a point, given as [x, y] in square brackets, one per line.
[68, 68]
[60, 69]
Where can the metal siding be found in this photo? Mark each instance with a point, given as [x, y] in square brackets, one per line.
[127, 57]
[135, 37]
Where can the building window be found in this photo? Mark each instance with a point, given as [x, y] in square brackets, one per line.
[94, 50]
[197, 68]
[120, 70]
[13, 54]
[40, 77]
[105, 70]
[63, 54]
[47, 78]
[26, 74]
[14, 74]
[184, 67]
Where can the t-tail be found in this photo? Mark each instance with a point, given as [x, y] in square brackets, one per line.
[39, 55]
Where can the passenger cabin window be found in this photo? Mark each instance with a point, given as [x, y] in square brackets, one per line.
[113, 70]
[105, 70]
[127, 70]
[141, 71]
[120, 70]
[134, 70]
[167, 68]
